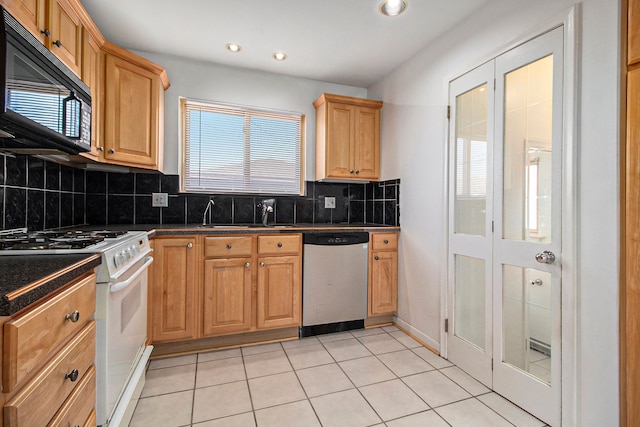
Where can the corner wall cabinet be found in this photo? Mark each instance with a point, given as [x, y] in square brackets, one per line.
[347, 138]
[133, 109]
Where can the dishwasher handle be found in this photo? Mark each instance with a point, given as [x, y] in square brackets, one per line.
[335, 238]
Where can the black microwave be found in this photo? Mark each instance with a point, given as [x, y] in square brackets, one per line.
[45, 108]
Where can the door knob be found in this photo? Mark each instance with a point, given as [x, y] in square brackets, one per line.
[545, 257]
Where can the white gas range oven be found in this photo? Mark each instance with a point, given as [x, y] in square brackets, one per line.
[121, 308]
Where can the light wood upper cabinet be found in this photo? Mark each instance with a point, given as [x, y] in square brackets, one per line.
[347, 138]
[56, 23]
[133, 109]
[31, 14]
[173, 289]
[91, 61]
[65, 40]
[383, 274]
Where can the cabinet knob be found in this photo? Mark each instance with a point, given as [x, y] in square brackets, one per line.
[386, 242]
[74, 317]
[279, 244]
[247, 265]
[357, 171]
[57, 43]
[100, 148]
[262, 264]
[351, 171]
[376, 257]
[112, 151]
[228, 246]
[189, 245]
[45, 32]
[73, 375]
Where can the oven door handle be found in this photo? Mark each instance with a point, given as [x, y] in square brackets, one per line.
[118, 286]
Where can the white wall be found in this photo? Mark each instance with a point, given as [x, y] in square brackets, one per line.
[414, 129]
[202, 80]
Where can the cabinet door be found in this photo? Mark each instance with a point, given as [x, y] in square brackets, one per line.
[173, 290]
[339, 148]
[226, 296]
[30, 13]
[91, 76]
[279, 292]
[383, 283]
[133, 105]
[366, 150]
[66, 34]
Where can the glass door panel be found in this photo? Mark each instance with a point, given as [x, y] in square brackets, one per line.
[470, 291]
[528, 112]
[526, 320]
[471, 161]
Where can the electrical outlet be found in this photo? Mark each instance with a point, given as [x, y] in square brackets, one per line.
[159, 200]
[330, 202]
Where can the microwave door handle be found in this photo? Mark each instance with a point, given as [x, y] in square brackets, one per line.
[72, 97]
[118, 286]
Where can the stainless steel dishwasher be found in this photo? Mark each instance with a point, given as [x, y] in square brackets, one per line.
[334, 282]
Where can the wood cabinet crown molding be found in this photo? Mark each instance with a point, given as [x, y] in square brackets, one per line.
[123, 53]
[363, 102]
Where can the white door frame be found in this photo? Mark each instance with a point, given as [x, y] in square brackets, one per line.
[570, 221]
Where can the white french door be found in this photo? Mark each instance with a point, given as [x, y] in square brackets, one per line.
[504, 287]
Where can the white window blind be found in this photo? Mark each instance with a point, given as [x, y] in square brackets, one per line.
[237, 149]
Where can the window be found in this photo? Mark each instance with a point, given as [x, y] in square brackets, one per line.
[237, 149]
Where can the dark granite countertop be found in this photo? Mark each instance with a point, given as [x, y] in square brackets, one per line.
[24, 279]
[177, 229]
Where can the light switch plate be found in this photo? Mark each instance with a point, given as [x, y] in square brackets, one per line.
[330, 202]
[159, 200]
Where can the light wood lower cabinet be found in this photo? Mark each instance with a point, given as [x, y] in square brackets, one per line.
[383, 274]
[173, 290]
[245, 283]
[226, 296]
[48, 360]
[279, 291]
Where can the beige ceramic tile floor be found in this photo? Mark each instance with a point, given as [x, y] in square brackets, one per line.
[372, 377]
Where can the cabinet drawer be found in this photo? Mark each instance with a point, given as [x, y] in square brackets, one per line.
[279, 244]
[226, 246]
[77, 410]
[29, 339]
[384, 241]
[40, 399]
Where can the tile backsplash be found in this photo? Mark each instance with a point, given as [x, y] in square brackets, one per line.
[40, 194]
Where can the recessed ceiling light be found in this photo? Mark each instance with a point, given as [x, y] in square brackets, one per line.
[393, 7]
[234, 48]
[279, 56]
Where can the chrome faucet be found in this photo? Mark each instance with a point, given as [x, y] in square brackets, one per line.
[267, 206]
[206, 210]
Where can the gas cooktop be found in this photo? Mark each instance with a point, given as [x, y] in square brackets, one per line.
[43, 240]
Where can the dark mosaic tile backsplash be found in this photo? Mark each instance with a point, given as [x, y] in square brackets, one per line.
[39, 194]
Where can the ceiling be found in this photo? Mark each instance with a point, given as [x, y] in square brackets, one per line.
[340, 41]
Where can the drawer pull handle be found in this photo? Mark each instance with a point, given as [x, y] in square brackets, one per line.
[228, 246]
[73, 375]
[376, 257]
[386, 242]
[74, 317]
[262, 264]
[279, 244]
[189, 245]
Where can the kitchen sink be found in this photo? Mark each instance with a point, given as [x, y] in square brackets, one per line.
[235, 226]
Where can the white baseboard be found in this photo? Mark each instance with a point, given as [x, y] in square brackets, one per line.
[416, 333]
